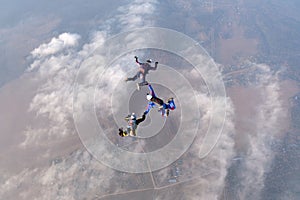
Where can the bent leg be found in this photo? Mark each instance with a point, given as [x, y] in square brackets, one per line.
[132, 132]
[144, 82]
[143, 77]
[128, 129]
[162, 110]
[134, 77]
[171, 104]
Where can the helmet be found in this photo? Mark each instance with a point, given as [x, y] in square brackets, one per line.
[149, 61]
[133, 116]
[149, 97]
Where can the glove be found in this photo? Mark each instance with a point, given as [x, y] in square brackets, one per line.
[135, 57]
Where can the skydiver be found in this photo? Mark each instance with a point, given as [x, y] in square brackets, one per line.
[144, 68]
[164, 108]
[133, 122]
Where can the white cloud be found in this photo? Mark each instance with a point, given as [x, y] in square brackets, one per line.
[63, 41]
[257, 161]
[137, 14]
[269, 115]
[56, 64]
[77, 177]
[33, 136]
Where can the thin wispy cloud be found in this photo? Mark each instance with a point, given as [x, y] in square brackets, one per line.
[269, 115]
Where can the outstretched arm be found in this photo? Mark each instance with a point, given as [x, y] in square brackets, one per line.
[141, 119]
[137, 60]
[155, 66]
[151, 91]
[149, 106]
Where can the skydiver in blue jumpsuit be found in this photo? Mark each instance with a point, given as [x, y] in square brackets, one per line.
[164, 108]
